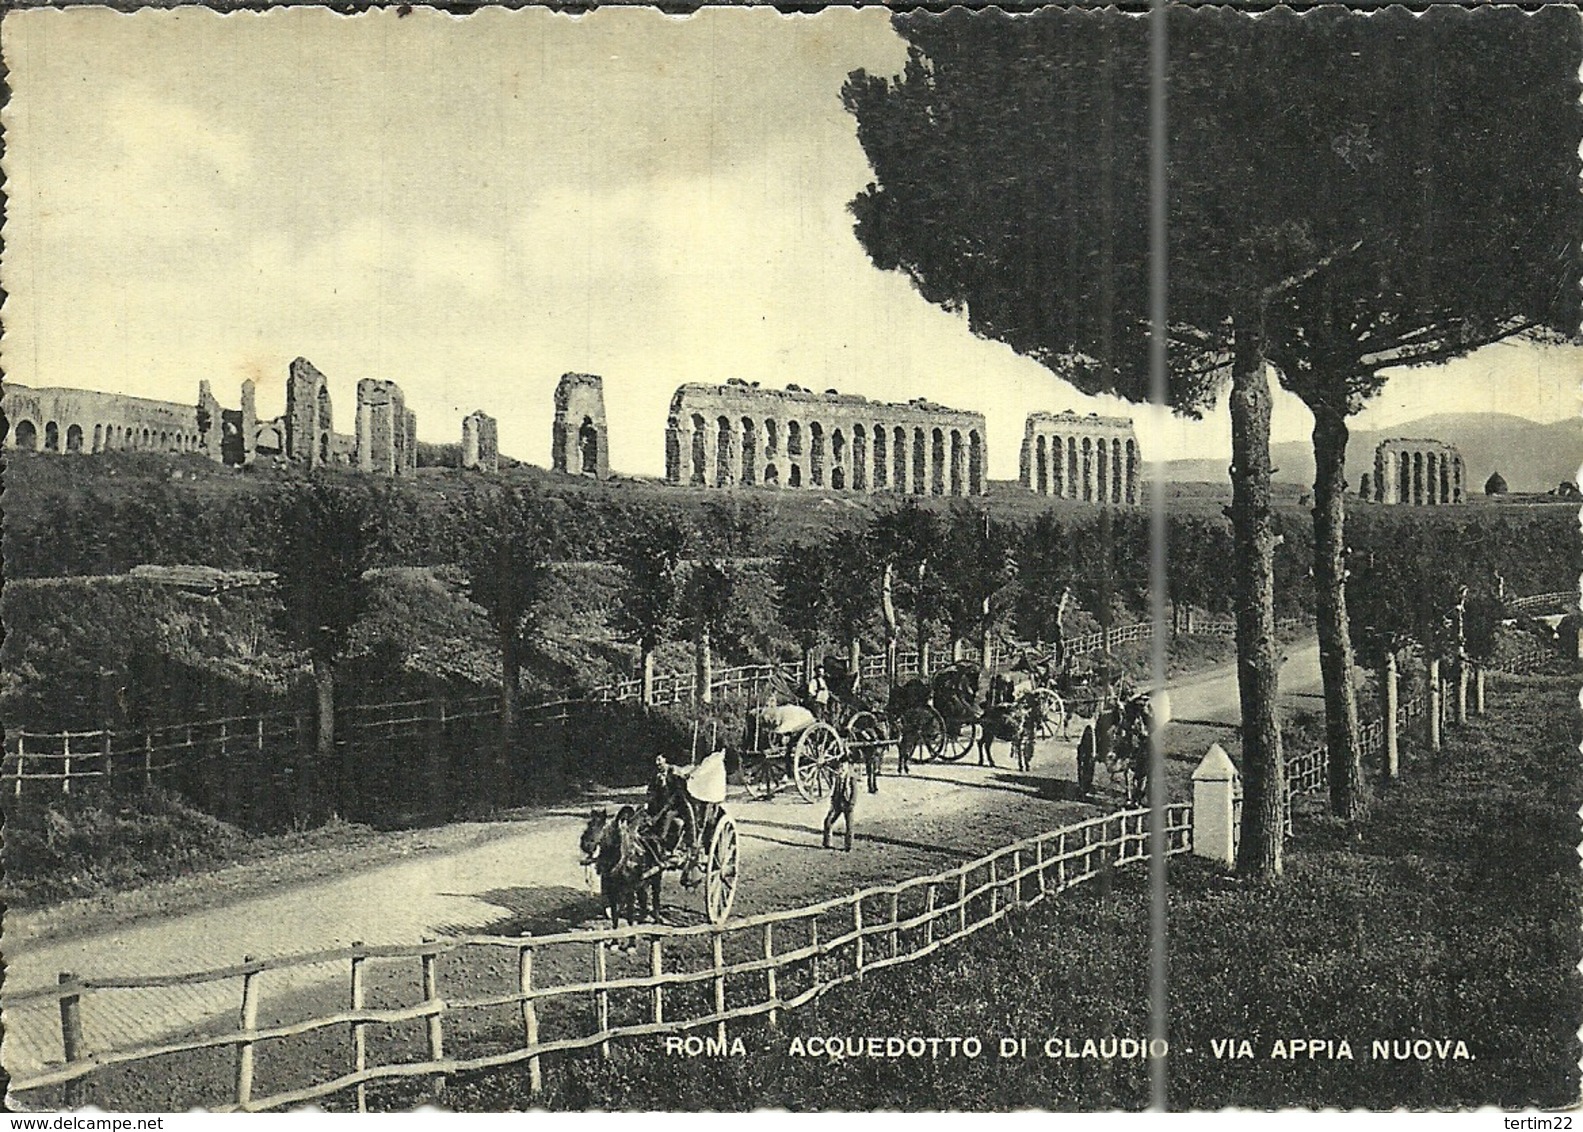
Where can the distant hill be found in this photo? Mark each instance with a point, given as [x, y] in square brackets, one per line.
[1529, 455]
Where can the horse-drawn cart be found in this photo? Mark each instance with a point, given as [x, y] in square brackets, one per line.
[683, 828]
[787, 743]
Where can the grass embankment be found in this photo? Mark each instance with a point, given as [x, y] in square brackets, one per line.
[100, 842]
[1449, 913]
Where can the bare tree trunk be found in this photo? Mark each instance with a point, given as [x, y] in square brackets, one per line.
[646, 677]
[1330, 598]
[887, 608]
[1389, 690]
[705, 677]
[1253, 571]
[510, 678]
[324, 756]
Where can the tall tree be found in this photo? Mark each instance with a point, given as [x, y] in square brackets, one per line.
[802, 590]
[652, 564]
[706, 598]
[979, 578]
[902, 543]
[507, 556]
[1439, 170]
[1012, 184]
[325, 543]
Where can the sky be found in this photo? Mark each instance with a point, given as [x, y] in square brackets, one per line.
[473, 206]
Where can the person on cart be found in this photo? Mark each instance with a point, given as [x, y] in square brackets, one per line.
[678, 797]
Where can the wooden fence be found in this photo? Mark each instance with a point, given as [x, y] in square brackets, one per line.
[61, 758]
[1562, 601]
[584, 990]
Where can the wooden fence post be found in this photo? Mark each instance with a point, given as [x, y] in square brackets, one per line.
[657, 969]
[359, 1037]
[1038, 860]
[994, 886]
[930, 899]
[813, 945]
[530, 1016]
[961, 902]
[1060, 861]
[601, 997]
[105, 753]
[244, 1046]
[1434, 706]
[1478, 690]
[21, 761]
[769, 971]
[857, 927]
[435, 1027]
[71, 1037]
[895, 924]
[148, 758]
[1462, 692]
[65, 766]
[720, 985]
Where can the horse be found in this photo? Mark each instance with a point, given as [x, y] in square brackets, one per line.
[906, 703]
[628, 872]
[1137, 720]
[1012, 716]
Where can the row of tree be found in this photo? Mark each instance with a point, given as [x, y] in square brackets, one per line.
[1345, 194]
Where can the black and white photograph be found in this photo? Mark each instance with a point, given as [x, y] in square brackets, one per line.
[856, 560]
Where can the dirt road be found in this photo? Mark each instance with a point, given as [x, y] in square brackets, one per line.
[525, 877]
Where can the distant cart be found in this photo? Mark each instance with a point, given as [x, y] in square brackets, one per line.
[788, 743]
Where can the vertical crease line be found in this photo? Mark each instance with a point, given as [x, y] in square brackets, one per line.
[1159, 970]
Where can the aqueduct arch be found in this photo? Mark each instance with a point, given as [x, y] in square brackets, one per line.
[796, 438]
[1090, 459]
[1417, 472]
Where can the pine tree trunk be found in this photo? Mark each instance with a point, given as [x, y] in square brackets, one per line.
[1253, 571]
[1335, 639]
[324, 746]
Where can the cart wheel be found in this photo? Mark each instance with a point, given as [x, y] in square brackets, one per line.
[720, 877]
[1054, 712]
[814, 759]
[959, 739]
[928, 728]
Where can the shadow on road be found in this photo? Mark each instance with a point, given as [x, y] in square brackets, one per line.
[537, 910]
[813, 833]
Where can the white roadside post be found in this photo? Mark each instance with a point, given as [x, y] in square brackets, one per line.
[1217, 797]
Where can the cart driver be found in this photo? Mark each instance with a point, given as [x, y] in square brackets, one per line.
[668, 811]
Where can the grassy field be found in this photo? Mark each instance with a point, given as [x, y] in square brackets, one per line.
[1448, 914]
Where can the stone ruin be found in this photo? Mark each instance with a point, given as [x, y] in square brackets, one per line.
[387, 431]
[739, 434]
[306, 423]
[83, 420]
[480, 442]
[579, 438]
[1418, 472]
[1092, 459]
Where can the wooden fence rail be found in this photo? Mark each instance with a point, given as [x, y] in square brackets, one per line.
[645, 980]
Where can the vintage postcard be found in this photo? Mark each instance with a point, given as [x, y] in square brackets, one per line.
[845, 561]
